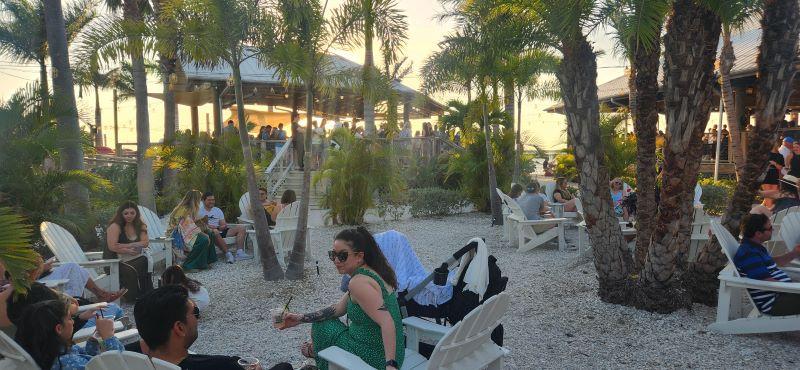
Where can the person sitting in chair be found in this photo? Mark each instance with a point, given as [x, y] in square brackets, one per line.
[220, 229]
[167, 322]
[562, 195]
[753, 261]
[533, 203]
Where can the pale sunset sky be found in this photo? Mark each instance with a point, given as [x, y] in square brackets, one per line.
[424, 33]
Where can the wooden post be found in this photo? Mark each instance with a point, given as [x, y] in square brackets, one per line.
[195, 120]
[217, 109]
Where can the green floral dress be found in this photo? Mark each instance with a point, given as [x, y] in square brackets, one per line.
[363, 337]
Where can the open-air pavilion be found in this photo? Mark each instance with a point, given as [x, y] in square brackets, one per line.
[198, 85]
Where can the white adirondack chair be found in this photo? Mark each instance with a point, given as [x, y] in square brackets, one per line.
[66, 249]
[532, 234]
[160, 247]
[700, 233]
[467, 345]
[507, 226]
[244, 206]
[732, 286]
[698, 193]
[790, 233]
[116, 360]
[13, 357]
[777, 243]
[283, 233]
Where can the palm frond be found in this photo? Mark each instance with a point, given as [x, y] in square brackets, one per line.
[16, 253]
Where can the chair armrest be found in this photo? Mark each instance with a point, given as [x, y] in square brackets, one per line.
[92, 307]
[245, 220]
[54, 283]
[341, 359]
[161, 239]
[85, 333]
[773, 286]
[546, 221]
[94, 255]
[244, 224]
[99, 263]
[425, 327]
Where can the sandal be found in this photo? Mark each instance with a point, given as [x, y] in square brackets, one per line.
[111, 297]
[307, 349]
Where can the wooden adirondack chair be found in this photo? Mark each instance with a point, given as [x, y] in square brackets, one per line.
[116, 360]
[13, 357]
[160, 247]
[732, 286]
[283, 233]
[66, 249]
[700, 233]
[532, 234]
[467, 345]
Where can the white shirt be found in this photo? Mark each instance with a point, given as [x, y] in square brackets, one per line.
[201, 299]
[214, 215]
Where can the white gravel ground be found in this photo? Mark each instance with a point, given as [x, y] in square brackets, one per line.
[556, 319]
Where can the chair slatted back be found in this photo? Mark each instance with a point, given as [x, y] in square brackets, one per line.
[549, 189]
[244, 206]
[701, 222]
[470, 334]
[286, 224]
[512, 204]
[727, 241]
[698, 193]
[790, 230]
[13, 357]
[126, 360]
[63, 245]
[155, 227]
[500, 193]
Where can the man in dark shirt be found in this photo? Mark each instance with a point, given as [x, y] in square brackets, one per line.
[167, 322]
[753, 261]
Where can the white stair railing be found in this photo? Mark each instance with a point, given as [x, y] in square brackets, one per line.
[275, 175]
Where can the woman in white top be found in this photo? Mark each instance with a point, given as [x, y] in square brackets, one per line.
[126, 239]
[174, 275]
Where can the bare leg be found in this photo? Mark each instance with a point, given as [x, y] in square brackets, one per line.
[239, 233]
[102, 294]
[219, 242]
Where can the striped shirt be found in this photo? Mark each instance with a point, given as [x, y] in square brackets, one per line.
[754, 262]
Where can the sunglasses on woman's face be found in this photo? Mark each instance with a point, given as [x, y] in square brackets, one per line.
[342, 256]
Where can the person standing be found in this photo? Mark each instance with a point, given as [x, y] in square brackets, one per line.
[318, 135]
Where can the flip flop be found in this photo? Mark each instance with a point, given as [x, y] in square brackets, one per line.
[307, 350]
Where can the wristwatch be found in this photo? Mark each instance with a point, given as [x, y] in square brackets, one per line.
[392, 363]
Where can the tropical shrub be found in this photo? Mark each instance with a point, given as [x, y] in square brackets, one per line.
[16, 254]
[355, 172]
[566, 167]
[716, 195]
[30, 181]
[206, 164]
[427, 202]
[391, 205]
[424, 172]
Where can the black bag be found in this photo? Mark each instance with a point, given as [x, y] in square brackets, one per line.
[463, 302]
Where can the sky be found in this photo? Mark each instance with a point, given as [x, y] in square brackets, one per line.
[425, 31]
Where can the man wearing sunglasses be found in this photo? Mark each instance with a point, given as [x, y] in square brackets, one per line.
[753, 261]
[167, 322]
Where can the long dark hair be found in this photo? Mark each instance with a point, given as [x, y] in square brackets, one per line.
[361, 240]
[118, 219]
[174, 275]
[288, 197]
[36, 331]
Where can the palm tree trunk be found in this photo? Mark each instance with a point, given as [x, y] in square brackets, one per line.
[369, 65]
[727, 58]
[518, 139]
[296, 262]
[44, 90]
[115, 102]
[145, 182]
[269, 261]
[170, 113]
[69, 131]
[644, 73]
[689, 80]
[577, 76]
[494, 198]
[98, 119]
[780, 25]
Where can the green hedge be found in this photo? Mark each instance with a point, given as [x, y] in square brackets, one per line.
[426, 202]
[716, 195]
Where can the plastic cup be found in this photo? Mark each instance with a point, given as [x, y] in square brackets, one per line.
[248, 362]
[277, 316]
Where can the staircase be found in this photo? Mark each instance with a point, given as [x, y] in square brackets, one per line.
[294, 181]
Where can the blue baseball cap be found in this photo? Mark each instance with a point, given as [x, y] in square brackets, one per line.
[788, 139]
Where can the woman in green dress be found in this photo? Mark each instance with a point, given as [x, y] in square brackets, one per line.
[375, 332]
[197, 246]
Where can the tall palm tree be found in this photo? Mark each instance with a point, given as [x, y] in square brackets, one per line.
[302, 56]
[64, 96]
[780, 25]
[638, 26]
[22, 33]
[88, 76]
[381, 19]
[218, 32]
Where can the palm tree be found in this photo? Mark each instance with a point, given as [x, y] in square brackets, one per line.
[88, 76]
[381, 19]
[780, 25]
[16, 254]
[217, 32]
[22, 33]
[301, 56]
[64, 95]
[638, 27]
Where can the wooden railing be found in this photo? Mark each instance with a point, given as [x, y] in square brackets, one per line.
[277, 171]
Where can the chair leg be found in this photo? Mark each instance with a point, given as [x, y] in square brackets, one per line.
[496, 364]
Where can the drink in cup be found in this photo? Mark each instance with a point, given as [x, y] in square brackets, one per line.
[248, 363]
[277, 317]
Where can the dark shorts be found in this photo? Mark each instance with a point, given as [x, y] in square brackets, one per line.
[786, 304]
[223, 233]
